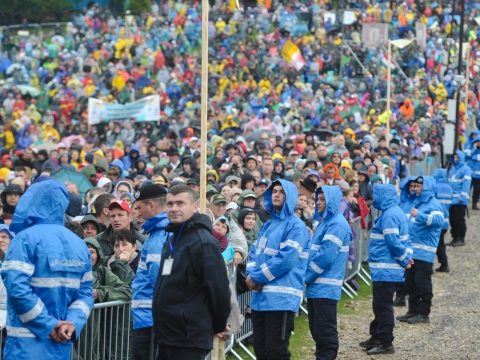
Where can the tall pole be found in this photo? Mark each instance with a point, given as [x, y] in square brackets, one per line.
[389, 82]
[204, 109]
[459, 72]
[467, 87]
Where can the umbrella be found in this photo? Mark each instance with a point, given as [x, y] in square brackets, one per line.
[322, 134]
[27, 89]
[48, 146]
[142, 82]
[73, 177]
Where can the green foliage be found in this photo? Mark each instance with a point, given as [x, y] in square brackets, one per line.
[136, 7]
[33, 11]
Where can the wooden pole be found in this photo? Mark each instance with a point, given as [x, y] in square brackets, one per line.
[467, 86]
[389, 84]
[204, 109]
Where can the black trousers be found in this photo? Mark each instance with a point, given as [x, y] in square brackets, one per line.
[322, 318]
[458, 225]
[476, 190]
[175, 353]
[419, 287]
[401, 290]
[271, 334]
[141, 343]
[442, 250]
[381, 328]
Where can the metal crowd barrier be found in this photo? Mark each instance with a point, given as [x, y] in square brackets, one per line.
[107, 334]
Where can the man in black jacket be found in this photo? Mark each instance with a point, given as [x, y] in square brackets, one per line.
[192, 298]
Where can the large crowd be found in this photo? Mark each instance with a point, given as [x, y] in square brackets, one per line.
[270, 125]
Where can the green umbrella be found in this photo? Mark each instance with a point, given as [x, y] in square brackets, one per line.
[73, 177]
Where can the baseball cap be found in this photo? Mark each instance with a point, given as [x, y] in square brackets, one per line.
[265, 182]
[232, 178]
[120, 204]
[192, 182]
[218, 198]
[150, 191]
[418, 180]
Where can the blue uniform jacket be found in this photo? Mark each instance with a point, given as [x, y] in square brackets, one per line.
[389, 247]
[328, 253]
[278, 259]
[460, 178]
[473, 156]
[407, 200]
[425, 228]
[147, 271]
[444, 194]
[47, 273]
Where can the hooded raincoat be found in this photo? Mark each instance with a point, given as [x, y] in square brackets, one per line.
[47, 273]
[278, 258]
[425, 228]
[460, 178]
[147, 272]
[389, 247]
[444, 194]
[328, 253]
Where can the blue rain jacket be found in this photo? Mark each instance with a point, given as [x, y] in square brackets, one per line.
[328, 253]
[389, 247]
[444, 194]
[47, 273]
[425, 228]
[460, 178]
[407, 200]
[147, 271]
[473, 156]
[278, 259]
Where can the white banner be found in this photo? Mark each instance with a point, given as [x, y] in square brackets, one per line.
[374, 35]
[145, 109]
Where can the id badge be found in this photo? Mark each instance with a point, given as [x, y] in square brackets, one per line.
[167, 266]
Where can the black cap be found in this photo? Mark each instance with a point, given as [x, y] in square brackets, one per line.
[192, 182]
[150, 191]
[309, 184]
[418, 180]
[265, 182]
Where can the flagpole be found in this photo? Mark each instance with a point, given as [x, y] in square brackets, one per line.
[389, 81]
[204, 109]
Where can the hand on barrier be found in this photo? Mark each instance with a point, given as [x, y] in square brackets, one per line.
[252, 286]
[350, 265]
[63, 331]
[224, 333]
[410, 263]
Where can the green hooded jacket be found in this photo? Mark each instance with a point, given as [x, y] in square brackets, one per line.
[108, 285]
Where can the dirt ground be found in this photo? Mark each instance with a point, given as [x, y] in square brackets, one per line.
[454, 329]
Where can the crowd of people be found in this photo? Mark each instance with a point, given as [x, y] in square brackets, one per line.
[295, 158]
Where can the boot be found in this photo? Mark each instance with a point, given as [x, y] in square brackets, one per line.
[400, 301]
[384, 348]
[370, 343]
[408, 315]
[459, 242]
[419, 319]
[443, 268]
[453, 242]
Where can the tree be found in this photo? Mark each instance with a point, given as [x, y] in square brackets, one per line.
[33, 11]
[137, 7]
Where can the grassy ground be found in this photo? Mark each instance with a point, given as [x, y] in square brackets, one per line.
[301, 342]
